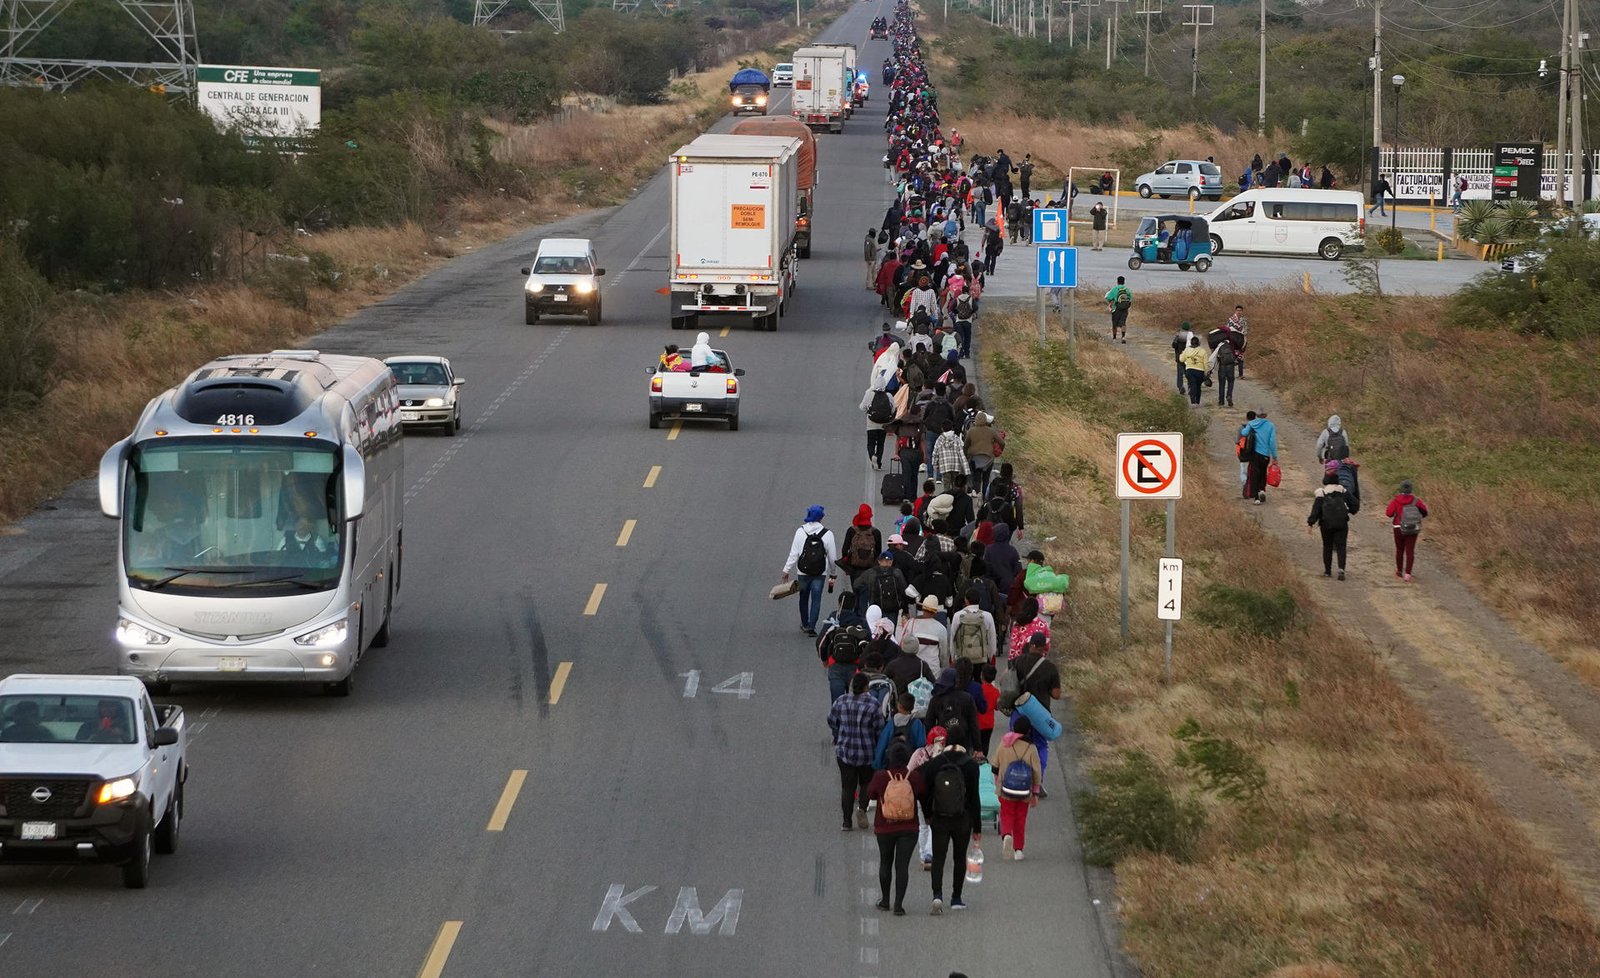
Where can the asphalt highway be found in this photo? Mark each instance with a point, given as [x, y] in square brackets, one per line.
[594, 746]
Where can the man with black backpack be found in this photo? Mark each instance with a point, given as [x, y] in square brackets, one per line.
[884, 586]
[1224, 362]
[1333, 444]
[964, 310]
[952, 810]
[952, 708]
[1330, 509]
[812, 554]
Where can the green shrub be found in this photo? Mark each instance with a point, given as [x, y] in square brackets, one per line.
[1132, 809]
[26, 351]
[1473, 214]
[1390, 241]
[1223, 766]
[1268, 614]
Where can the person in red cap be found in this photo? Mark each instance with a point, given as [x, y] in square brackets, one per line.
[862, 545]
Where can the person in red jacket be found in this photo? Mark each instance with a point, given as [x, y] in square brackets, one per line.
[1406, 512]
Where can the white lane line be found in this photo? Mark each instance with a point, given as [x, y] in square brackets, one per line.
[634, 265]
[458, 443]
[4, 938]
[26, 907]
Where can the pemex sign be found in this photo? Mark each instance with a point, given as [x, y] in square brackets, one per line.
[265, 103]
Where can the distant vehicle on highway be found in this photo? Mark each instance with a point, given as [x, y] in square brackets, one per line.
[564, 280]
[747, 91]
[90, 771]
[696, 392]
[430, 392]
[880, 29]
[239, 494]
[783, 75]
[1281, 221]
[1182, 178]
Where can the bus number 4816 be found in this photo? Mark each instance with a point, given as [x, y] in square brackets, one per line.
[232, 419]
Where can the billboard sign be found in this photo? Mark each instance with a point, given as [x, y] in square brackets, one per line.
[266, 103]
[1518, 168]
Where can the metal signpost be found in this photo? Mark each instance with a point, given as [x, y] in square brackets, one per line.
[1149, 466]
[1169, 602]
[1057, 266]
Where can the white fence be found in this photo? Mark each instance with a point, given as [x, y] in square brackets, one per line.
[1418, 174]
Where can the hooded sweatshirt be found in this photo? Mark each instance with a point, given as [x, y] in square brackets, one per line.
[1335, 426]
[701, 355]
[1001, 557]
[1266, 436]
[954, 710]
[1015, 747]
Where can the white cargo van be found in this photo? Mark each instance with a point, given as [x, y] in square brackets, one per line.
[1271, 221]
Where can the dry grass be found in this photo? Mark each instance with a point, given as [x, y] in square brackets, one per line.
[1374, 852]
[1496, 429]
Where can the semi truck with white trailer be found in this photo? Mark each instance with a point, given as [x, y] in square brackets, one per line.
[732, 228]
[850, 57]
[821, 91]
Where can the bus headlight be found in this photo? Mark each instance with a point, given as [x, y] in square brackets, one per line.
[133, 633]
[333, 634]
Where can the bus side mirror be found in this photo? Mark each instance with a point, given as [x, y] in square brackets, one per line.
[112, 466]
[355, 483]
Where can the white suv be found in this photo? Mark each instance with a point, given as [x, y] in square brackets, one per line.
[1191, 178]
[783, 75]
[564, 280]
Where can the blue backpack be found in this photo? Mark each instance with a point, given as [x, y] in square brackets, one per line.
[1017, 781]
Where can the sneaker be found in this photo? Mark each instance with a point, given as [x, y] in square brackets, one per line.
[956, 903]
[927, 867]
[847, 827]
[882, 904]
[938, 906]
[861, 818]
[1327, 573]
[1005, 847]
[1398, 575]
[1341, 575]
[1018, 856]
[1261, 496]
[899, 911]
[1043, 793]
[1408, 577]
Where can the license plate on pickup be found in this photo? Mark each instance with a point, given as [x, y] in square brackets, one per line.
[560, 298]
[38, 831]
[694, 407]
[232, 663]
[408, 415]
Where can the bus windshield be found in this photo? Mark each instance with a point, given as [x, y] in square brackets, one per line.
[258, 518]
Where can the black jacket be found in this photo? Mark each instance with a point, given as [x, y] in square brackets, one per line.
[957, 702]
[905, 669]
[968, 767]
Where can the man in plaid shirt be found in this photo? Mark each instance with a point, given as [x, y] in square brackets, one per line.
[855, 719]
[950, 456]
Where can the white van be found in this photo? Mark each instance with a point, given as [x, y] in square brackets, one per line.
[1270, 221]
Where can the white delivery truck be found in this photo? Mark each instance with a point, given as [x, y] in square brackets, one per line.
[820, 92]
[734, 201]
[847, 93]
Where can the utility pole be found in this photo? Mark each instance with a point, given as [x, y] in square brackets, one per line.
[1147, 9]
[1377, 76]
[1261, 94]
[1575, 104]
[1562, 105]
[1200, 15]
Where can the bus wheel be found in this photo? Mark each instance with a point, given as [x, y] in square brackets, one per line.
[381, 640]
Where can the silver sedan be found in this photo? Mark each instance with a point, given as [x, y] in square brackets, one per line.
[430, 392]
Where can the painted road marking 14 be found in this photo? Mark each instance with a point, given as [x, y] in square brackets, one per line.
[741, 685]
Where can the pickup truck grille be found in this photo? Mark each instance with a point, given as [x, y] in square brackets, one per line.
[67, 796]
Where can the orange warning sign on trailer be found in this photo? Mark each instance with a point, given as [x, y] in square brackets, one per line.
[749, 217]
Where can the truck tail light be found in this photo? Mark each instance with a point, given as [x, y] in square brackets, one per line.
[1361, 225]
[655, 385]
[733, 386]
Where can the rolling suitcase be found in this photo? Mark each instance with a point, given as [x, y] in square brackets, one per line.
[988, 798]
[894, 485]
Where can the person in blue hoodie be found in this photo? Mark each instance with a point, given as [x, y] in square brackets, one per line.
[1004, 563]
[1260, 448]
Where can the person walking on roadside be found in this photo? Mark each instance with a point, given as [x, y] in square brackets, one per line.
[883, 587]
[1406, 512]
[1097, 225]
[869, 252]
[1380, 189]
[897, 792]
[1224, 359]
[1333, 444]
[1041, 679]
[1017, 777]
[972, 633]
[862, 544]
[902, 726]
[925, 637]
[812, 554]
[993, 244]
[1259, 448]
[1330, 510]
[983, 443]
[855, 720]
[1195, 363]
[951, 808]
[1028, 628]
[1180, 342]
[1118, 302]
[1241, 326]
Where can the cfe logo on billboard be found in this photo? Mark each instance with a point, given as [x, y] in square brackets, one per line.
[265, 103]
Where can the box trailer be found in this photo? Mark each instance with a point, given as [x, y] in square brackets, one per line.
[820, 92]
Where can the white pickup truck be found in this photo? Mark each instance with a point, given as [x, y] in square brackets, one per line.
[696, 392]
[90, 771]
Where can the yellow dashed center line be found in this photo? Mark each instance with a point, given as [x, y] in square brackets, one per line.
[627, 533]
[594, 599]
[433, 966]
[725, 330]
[502, 808]
[559, 683]
[672, 435]
[650, 480]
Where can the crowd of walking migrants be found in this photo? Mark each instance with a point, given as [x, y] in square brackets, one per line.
[938, 655]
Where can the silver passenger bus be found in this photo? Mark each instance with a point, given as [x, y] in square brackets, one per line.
[261, 527]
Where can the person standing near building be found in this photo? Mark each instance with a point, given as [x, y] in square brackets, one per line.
[812, 554]
[1380, 189]
[1406, 512]
[1118, 302]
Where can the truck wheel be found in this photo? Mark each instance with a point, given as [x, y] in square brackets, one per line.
[136, 871]
[531, 316]
[166, 840]
[679, 322]
[159, 688]
[804, 251]
[655, 420]
[733, 423]
[594, 314]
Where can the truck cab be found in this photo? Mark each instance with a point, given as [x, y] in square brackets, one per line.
[564, 280]
[90, 771]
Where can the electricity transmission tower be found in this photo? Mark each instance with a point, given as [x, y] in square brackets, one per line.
[24, 62]
[484, 11]
[663, 7]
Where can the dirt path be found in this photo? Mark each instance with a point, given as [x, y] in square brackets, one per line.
[1529, 727]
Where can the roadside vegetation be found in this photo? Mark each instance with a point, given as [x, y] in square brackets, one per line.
[136, 240]
[1281, 808]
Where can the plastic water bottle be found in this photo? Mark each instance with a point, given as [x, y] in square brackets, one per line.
[974, 863]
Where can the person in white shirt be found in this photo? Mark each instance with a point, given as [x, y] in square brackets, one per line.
[978, 637]
[811, 563]
[924, 637]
